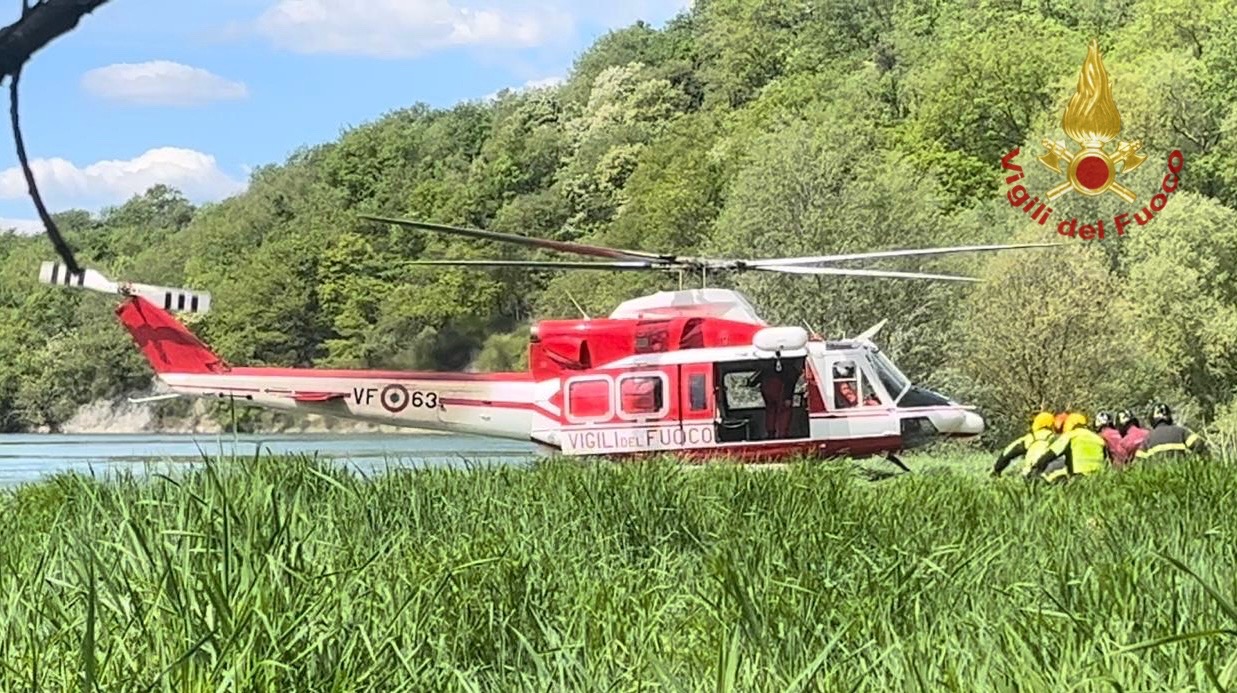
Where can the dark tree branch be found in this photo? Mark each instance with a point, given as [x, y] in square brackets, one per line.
[62, 248]
[38, 26]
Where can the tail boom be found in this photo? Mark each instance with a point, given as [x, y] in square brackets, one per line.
[493, 404]
[497, 404]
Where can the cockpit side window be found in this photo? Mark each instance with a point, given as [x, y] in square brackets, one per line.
[894, 381]
[852, 387]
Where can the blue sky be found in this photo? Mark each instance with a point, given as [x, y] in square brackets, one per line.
[195, 92]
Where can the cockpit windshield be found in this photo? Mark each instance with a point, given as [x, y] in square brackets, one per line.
[892, 378]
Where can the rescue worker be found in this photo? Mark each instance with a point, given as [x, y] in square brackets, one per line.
[1028, 446]
[1167, 440]
[1106, 427]
[791, 374]
[1132, 436]
[1058, 423]
[777, 381]
[1079, 451]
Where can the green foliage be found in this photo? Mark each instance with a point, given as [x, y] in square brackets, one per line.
[741, 128]
[978, 91]
[504, 353]
[276, 574]
[825, 187]
[1032, 339]
[1185, 292]
[160, 207]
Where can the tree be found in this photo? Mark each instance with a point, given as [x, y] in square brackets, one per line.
[1184, 296]
[1047, 331]
[160, 207]
[978, 89]
[826, 187]
[675, 193]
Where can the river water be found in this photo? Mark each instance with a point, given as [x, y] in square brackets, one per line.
[26, 458]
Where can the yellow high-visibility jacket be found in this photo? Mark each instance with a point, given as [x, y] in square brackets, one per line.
[1029, 446]
[1085, 452]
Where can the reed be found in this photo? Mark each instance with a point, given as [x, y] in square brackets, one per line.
[289, 573]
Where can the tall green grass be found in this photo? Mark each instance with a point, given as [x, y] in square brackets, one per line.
[289, 574]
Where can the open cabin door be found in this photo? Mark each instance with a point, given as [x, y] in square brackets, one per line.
[762, 400]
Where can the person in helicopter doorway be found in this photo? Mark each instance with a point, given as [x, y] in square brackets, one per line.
[777, 380]
[845, 393]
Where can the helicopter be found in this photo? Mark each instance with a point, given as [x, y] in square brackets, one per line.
[694, 373]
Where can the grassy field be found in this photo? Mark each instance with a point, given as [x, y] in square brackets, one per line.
[289, 574]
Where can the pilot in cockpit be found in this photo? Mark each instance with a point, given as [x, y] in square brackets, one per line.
[845, 387]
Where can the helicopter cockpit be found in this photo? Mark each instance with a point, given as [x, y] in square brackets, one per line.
[862, 377]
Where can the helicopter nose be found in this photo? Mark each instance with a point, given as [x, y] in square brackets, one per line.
[960, 422]
[972, 424]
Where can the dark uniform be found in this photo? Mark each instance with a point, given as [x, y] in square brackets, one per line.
[1167, 440]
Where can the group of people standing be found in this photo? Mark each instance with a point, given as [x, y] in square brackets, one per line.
[1064, 445]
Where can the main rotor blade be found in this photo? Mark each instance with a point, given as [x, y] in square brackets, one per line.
[819, 259]
[544, 243]
[536, 264]
[846, 271]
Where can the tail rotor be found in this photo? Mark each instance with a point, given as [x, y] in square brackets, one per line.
[168, 298]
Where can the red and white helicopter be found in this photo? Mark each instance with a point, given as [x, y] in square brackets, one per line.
[693, 372]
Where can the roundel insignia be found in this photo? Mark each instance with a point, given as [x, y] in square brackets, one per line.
[394, 398]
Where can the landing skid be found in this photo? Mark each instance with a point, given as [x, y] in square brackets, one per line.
[874, 474]
[898, 463]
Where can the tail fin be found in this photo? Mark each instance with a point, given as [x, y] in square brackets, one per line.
[168, 345]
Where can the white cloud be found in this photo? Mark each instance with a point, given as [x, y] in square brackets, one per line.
[161, 83]
[543, 83]
[26, 227]
[411, 28]
[403, 28]
[64, 184]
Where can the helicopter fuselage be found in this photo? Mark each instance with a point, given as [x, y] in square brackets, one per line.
[694, 373]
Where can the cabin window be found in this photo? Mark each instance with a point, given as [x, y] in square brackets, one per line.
[588, 399]
[852, 387]
[642, 395]
[697, 392]
[895, 383]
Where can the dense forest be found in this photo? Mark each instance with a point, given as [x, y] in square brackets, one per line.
[742, 128]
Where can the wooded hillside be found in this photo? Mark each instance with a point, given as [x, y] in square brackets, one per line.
[743, 127]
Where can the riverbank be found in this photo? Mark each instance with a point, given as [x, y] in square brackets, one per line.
[290, 574]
